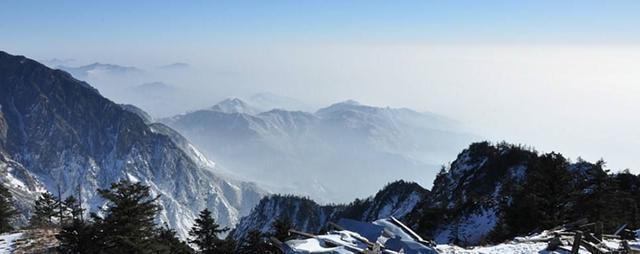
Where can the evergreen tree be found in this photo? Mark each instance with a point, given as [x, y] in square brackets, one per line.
[281, 227]
[255, 243]
[71, 210]
[45, 211]
[545, 197]
[128, 224]
[6, 210]
[205, 235]
[169, 242]
[78, 237]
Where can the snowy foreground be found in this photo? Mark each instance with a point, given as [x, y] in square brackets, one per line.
[391, 236]
[7, 242]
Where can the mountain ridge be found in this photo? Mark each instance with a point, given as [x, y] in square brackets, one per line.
[489, 194]
[65, 134]
[344, 138]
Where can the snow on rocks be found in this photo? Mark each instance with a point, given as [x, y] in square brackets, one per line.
[7, 242]
[391, 236]
[382, 236]
[506, 248]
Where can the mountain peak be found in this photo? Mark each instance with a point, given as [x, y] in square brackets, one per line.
[350, 102]
[78, 138]
[345, 106]
[235, 105]
[268, 101]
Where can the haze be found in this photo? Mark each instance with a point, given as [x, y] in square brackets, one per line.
[556, 76]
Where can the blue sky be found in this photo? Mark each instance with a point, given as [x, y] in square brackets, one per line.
[189, 23]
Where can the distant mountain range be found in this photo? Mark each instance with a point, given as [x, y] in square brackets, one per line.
[97, 69]
[269, 101]
[58, 132]
[175, 66]
[335, 154]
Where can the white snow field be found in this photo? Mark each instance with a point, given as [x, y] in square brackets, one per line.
[7, 241]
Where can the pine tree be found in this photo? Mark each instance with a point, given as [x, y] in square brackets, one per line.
[281, 227]
[6, 210]
[78, 237]
[169, 242]
[545, 196]
[128, 224]
[205, 235]
[255, 243]
[71, 210]
[45, 211]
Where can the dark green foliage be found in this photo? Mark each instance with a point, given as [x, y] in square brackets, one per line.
[281, 228]
[204, 234]
[72, 211]
[128, 223]
[255, 242]
[45, 211]
[169, 242]
[549, 191]
[545, 199]
[6, 210]
[78, 237]
[613, 200]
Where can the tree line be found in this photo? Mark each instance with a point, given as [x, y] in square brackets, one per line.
[552, 191]
[126, 223]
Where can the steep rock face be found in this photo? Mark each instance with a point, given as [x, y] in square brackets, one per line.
[66, 134]
[396, 199]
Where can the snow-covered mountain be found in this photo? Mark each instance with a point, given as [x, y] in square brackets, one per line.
[235, 105]
[494, 192]
[396, 199]
[58, 131]
[304, 153]
[269, 101]
[489, 194]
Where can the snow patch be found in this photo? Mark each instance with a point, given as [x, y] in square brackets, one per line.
[7, 241]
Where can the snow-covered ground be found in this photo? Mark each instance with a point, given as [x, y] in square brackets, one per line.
[505, 248]
[7, 241]
[389, 235]
[394, 237]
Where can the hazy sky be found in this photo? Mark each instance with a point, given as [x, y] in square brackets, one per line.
[557, 75]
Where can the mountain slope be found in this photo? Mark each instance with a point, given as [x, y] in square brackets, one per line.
[489, 194]
[304, 153]
[64, 133]
[235, 105]
[269, 101]
[396, 199]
